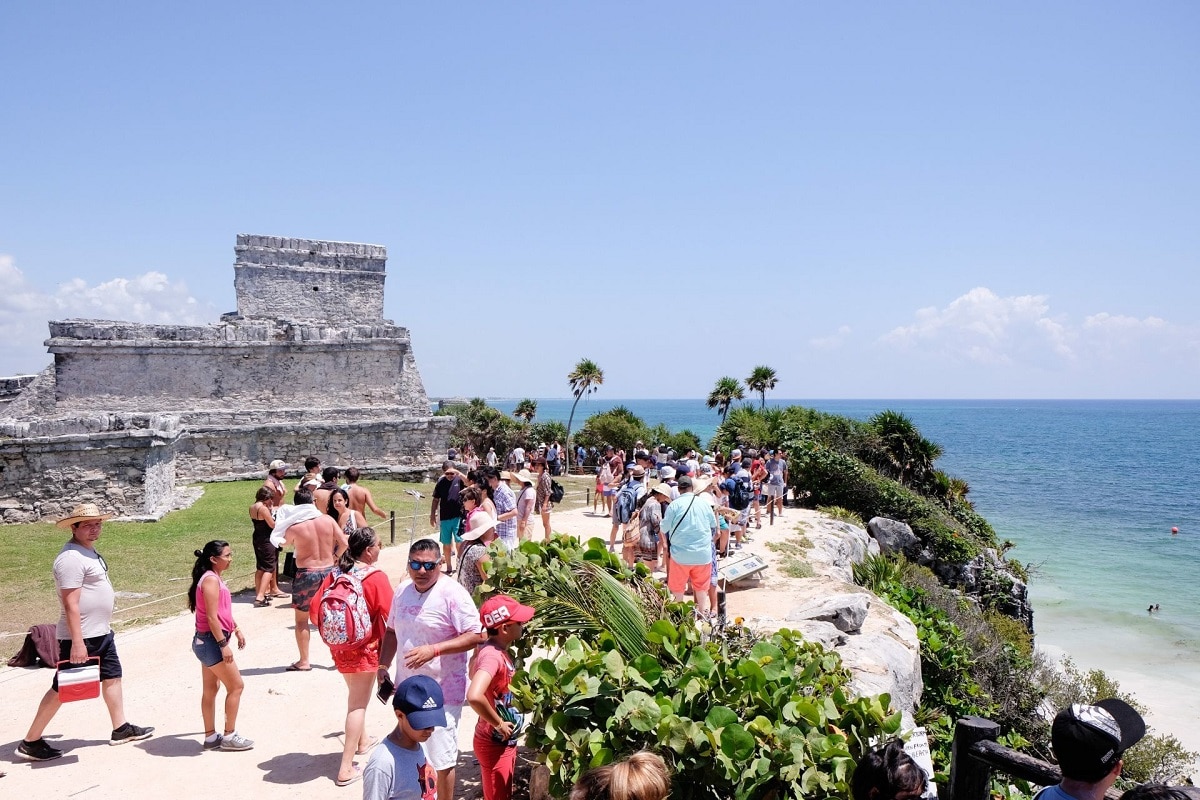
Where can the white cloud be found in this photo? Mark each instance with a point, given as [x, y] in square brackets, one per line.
[1018, 332]
[25, 309]
[831, 342]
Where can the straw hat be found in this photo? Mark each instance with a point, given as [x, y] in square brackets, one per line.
[81, 513]
[700, 484]
[663, 489]
[525, 476]
[485, 522]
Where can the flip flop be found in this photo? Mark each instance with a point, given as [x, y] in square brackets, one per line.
[262, 603]
[374, 741]
[355, 778]
[295, 667]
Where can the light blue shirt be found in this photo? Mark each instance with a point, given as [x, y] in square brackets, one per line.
[690, 522]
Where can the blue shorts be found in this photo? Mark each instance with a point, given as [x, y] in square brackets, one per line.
[102, 647]
[204, 645]
[448, 530]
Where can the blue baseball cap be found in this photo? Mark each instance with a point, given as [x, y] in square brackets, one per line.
[420, 698]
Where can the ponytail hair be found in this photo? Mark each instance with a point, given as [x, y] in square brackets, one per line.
[642, 776]
[203, 564]
[360, 540]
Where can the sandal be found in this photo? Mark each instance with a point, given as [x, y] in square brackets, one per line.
[355, 778]
[374, 741]
[262, 603]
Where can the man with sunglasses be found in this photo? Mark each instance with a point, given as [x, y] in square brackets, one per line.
[432, 627]
[84, 632]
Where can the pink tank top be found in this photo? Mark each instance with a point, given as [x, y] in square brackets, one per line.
[224, 606]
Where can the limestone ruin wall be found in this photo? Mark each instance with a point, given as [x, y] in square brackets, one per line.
[307, 365]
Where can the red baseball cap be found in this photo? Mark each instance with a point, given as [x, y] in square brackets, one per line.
[500, 609]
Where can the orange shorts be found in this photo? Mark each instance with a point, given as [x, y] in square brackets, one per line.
[678, 576]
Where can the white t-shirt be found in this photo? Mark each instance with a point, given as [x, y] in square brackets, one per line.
[78, 567]
[441, 614]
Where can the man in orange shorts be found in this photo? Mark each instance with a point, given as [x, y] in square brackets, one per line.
[690, 526]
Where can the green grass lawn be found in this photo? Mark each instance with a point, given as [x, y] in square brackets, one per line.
[156, 558]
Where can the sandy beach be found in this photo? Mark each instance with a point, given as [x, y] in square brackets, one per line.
[294, 718]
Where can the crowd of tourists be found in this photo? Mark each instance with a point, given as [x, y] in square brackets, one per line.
[429, 650]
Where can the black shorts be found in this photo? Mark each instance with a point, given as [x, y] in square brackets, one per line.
[102, 647]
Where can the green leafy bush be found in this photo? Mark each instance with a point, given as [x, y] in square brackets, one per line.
[735, 715]
[774, 721]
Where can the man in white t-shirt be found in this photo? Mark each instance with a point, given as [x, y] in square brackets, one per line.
[432, 627]
[86, 598]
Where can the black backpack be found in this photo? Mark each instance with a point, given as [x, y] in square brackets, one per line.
[741, 495]
[556, 492]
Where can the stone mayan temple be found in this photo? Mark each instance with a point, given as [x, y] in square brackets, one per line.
[307, 365]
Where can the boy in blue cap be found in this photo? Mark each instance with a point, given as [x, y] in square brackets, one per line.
[397, 769]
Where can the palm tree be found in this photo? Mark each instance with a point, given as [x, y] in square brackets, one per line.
[526, 410]
[724, 393]
[584, 379]
[907, 455]
[762, 379]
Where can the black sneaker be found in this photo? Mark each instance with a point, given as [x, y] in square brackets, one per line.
[129, 733]
[37, 751]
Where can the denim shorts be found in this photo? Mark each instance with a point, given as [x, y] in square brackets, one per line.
[204, 645]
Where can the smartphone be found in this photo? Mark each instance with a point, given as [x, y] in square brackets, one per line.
[386, 688]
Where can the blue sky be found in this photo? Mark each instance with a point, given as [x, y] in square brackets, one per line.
[894, 200]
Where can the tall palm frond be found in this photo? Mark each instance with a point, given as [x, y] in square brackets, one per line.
[584, 599]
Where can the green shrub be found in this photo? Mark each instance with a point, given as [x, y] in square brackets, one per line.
[776, 721]
[735, 715]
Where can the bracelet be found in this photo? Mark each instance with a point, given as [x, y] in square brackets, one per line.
[437, 651]
[223, 643]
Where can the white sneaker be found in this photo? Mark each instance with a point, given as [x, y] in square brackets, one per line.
[235, 741]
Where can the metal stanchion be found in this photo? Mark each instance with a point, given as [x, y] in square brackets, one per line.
[417, 498]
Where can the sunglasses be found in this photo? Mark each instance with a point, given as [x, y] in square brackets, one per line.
[428, 566]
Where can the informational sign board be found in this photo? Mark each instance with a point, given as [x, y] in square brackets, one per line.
[743, 567]
[917, 746]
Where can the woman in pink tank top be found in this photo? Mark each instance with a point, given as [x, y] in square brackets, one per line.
[209, 598]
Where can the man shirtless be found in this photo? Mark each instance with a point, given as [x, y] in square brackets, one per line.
[360, 498]
[274, 483]
[329, 477]
[318, 541]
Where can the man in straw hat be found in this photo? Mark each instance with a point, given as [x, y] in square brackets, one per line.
[84, 632]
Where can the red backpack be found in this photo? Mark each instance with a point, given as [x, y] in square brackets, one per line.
[343, 618]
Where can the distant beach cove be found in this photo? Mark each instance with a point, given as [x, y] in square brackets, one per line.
[1088, 491]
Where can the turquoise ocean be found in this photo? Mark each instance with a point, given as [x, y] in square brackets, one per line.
[1088, 491]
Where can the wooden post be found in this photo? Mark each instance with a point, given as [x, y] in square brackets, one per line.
[971, 779]
[392, 524]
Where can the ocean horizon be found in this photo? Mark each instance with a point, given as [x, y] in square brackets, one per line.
[1087, 490]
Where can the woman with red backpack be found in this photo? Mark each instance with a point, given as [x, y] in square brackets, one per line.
[355, 593]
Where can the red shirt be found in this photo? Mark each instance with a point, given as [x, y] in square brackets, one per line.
[494, 661]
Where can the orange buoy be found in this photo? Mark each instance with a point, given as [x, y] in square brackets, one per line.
[1174, 531]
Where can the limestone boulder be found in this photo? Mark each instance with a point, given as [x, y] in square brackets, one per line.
[846, 612]
[894, 536]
